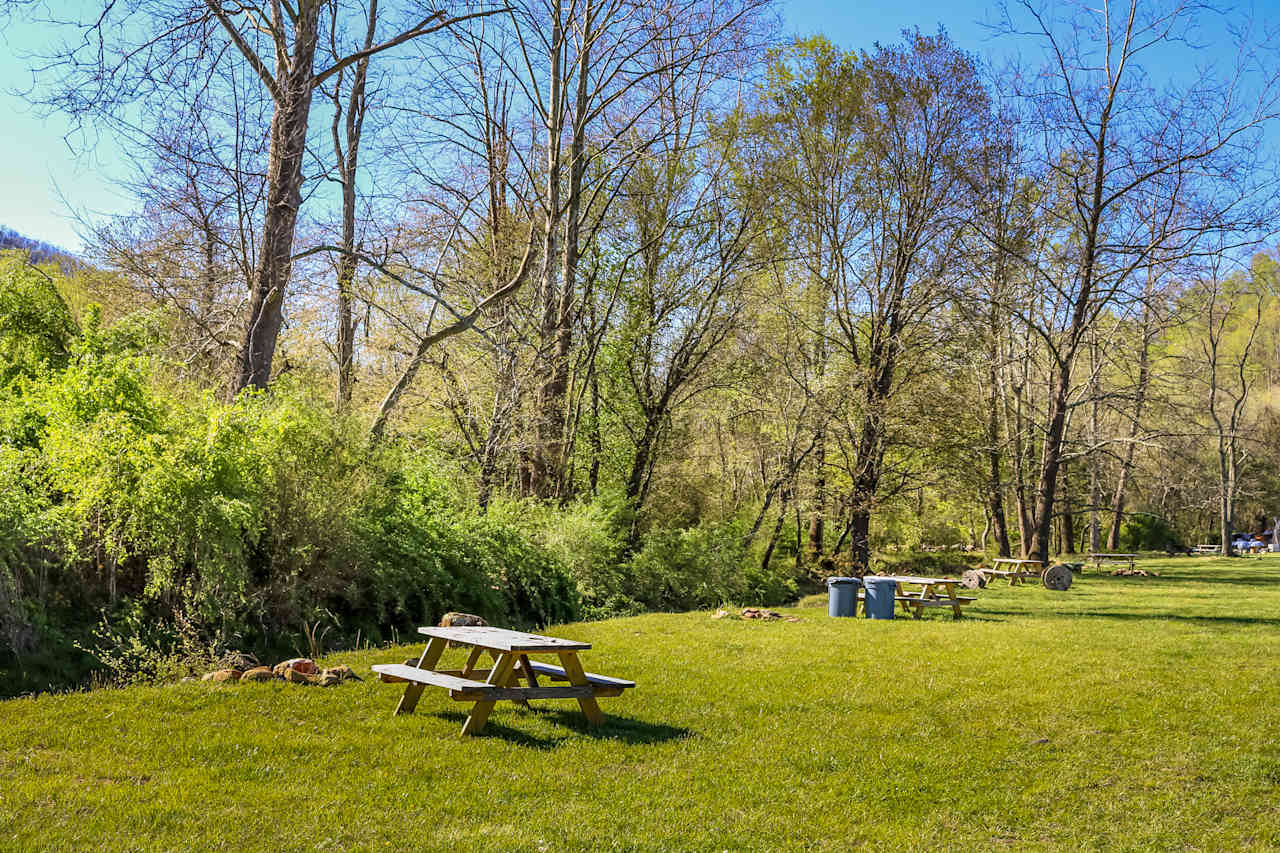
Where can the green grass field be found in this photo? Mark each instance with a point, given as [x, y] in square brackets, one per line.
[1132, 713]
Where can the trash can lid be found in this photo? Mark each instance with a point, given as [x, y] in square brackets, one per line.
[877, 579]
[834, 581]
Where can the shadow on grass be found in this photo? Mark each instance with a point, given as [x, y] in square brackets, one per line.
[622, 729]
[1152, 616]
[1259, 580]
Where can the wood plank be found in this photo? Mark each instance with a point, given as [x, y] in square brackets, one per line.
[917, 580]
[468, 671]
[963, 599]
[578, 678]
[480, 711]
[558, 673]
[523, 694]
[502, 640]
[468, 689]
[426, 676]
[413, 691]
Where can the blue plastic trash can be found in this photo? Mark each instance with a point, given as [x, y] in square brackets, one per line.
[880, 597]
[842, 596]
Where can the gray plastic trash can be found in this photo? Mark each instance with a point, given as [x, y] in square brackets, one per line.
[880, 597]
[842, 596]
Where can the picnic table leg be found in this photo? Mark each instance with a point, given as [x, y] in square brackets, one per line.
[480, 711]
[951, 593]
[472, 660]
[413, 690]
[527, 668]
[900, 597]
[578, 678]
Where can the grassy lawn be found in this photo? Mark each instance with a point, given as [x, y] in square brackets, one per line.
[1125, 713]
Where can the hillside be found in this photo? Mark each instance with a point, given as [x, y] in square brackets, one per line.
[40, 251]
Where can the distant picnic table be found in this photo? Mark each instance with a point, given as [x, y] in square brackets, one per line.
[1100, 560]
[510, 651]
[1208, 549]
[1017, 571]
[914, 601]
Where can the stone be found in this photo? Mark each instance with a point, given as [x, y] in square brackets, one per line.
[720, 614]
[305, 666]
[221, 676]
[329, 679]
[259, 673]
[411, 661]
[293, 676]
[973, 579]
[454, 619]
[342, 672]
[760, 613]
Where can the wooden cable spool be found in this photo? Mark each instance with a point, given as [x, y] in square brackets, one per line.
[1057, 577]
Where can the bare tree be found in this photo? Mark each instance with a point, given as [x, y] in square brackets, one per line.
[1231, 308]
[121, 54]
[1126, 153]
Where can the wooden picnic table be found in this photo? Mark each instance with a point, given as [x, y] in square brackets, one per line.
[1208, 549]
[915, 600]
[1018, 571]
[510, 651]
[1099, 560]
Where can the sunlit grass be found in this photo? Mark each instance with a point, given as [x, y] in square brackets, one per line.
[1126, 712]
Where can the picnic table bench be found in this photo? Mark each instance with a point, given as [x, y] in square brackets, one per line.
[1208, 549]
[915, 600]
[1100, 560]
[1017, 572]
[510, 651]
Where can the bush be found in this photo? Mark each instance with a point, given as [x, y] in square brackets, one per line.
[1146, 532]
[588, 538]
[238, 523]
[700, 567]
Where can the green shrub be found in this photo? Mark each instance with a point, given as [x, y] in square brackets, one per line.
[588, 537]
[697, 567]
[1147, 532]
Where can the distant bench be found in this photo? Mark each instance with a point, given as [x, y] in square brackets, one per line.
[1100, 560]
[1017, 571]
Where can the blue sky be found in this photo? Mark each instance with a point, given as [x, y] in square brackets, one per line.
[42, 180]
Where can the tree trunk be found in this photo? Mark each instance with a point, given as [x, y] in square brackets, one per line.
[1126, 465]
[777, 529]
[860, 538]
[1068, 516]
[1050, 461]
[995, 487]
[284, 197]
[818, 512]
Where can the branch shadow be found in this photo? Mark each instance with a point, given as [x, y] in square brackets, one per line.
[1153, 615]
[1187, 577]
[626, 730]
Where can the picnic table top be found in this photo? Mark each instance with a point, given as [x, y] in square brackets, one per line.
[502, 639]
[1014, 560]
[913, 579]
[1123, 556]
